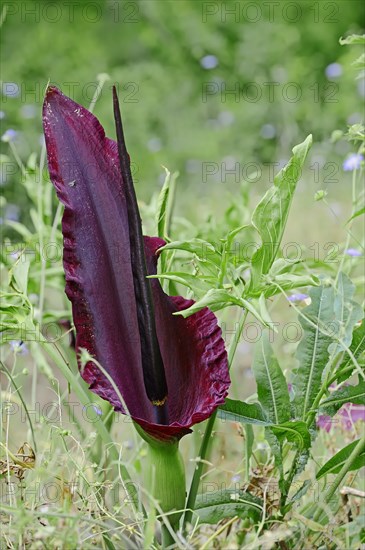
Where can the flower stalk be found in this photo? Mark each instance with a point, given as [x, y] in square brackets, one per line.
[165, 476]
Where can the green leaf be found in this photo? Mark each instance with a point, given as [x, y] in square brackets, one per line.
[195, 283]
[249, 441]
[334, 465]
[270, 215]
[203, 249]
[257, 309]
[347, 314]
[312, 352]
[214, 506]
[347, 394]
[357, 349]
[353, 39]
[272, 387]
[215, 299]
[164, 205]
[359, 212]
[296, 432]
[19, 274]
[239, 411]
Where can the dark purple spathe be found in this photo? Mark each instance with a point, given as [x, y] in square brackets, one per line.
[84, 168]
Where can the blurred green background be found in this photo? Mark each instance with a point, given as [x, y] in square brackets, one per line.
[207, 87]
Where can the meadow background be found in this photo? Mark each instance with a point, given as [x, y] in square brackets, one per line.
[218, 92]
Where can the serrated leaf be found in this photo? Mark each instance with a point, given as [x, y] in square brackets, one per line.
[239, 411]
[334, 465]
[270, 215]
[312, 352]
[218, 505]
[346, 394]
[272, 388]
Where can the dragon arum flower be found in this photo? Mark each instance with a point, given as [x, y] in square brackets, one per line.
[171, 372]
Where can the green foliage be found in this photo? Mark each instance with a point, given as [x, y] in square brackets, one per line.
[272, 388]
[312, 352]
[206, 228]
[334, 465]
[212, 508]
[271, 214]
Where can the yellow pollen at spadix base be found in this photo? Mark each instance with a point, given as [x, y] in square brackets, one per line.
[159, 403]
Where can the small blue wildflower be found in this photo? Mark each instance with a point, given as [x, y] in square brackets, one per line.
[353, 252]
[98, 411]
[18, 346]
[268, 131]
[28, 111]
[299, 297]
[209, 62]
[226, 118]
[154, 144]
[12, 212]
[353, 162]
[9, 135]
[333, 70]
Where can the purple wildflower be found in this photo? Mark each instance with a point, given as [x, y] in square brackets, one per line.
[353, 162]
[299, 297]
[353, 252]
[346, 417]
[9, 135]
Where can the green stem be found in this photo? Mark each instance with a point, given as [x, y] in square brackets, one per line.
[167, 539]
[208, 432]
[166, 480]
[83, 397]
[335, 485]
[345, 468]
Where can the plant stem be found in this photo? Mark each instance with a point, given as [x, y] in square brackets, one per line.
[208, 432]
[83, 396]
[345, 468]
[167, 540]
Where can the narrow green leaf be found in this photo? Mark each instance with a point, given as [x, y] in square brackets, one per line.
[334, 465]
[19, 274]
[162, 206]
[312, 352]
[270, 215]
[346, 394]
[215, 299]
[358, 213]
[187, 279]
[214, 506]
[249, 441]
[272, 387]
[239, 411]
[203, 249]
